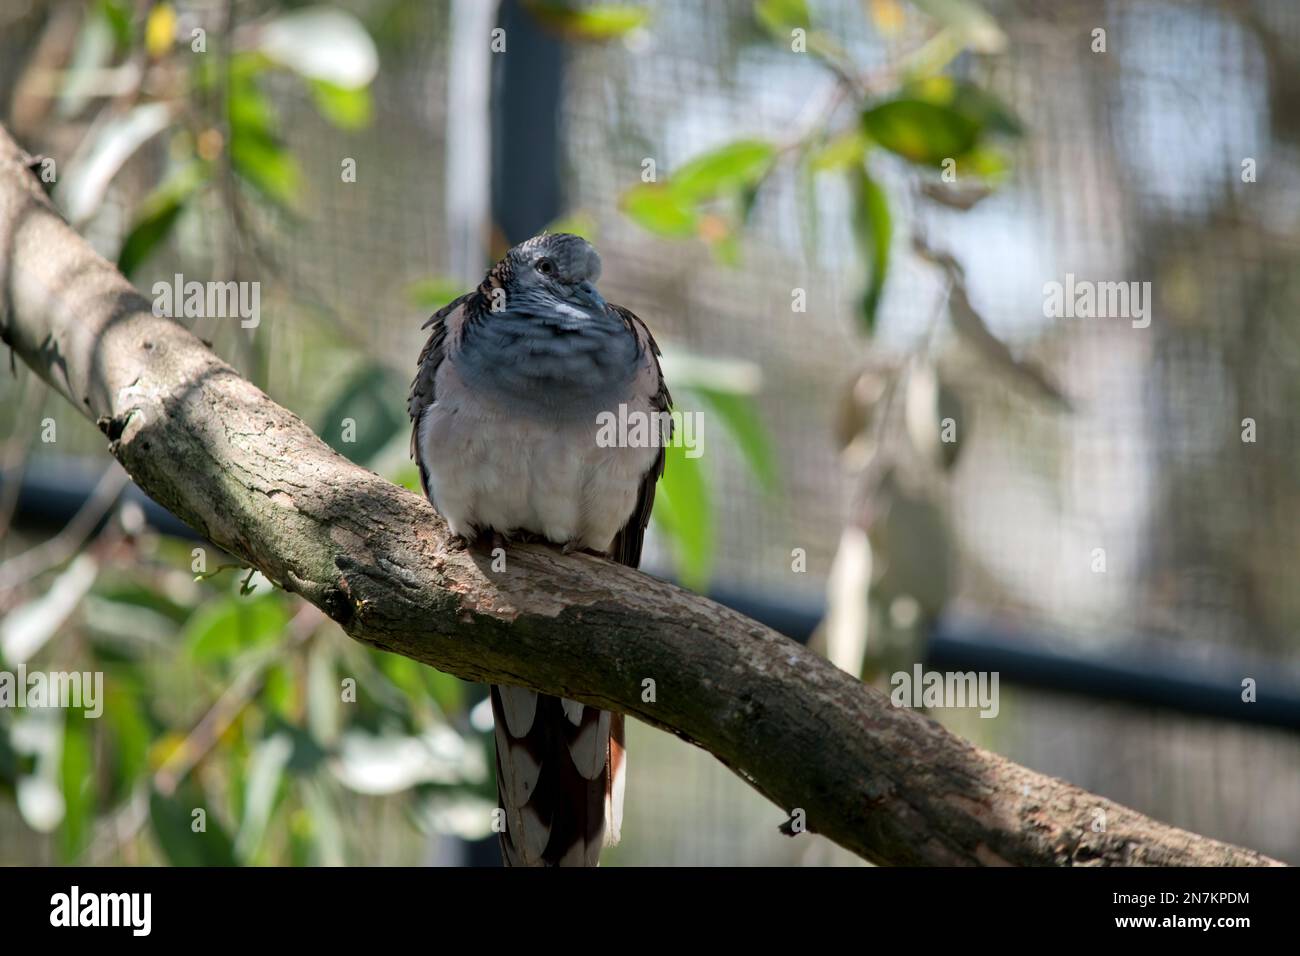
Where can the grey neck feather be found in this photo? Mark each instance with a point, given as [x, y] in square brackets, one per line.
[550, 365]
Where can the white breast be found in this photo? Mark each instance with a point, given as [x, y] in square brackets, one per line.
[490, 469]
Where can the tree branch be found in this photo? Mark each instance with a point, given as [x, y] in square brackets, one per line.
[887, 783]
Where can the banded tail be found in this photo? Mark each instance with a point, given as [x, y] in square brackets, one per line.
[560, 774]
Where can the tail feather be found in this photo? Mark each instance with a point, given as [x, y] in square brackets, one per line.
[554, 780]
[615, 781]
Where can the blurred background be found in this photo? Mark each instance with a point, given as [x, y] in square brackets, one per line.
[838, 218]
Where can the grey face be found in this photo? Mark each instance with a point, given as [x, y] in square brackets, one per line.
[554, 274]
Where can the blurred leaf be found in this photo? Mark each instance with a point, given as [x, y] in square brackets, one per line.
[873, 230]
[221, 629]
[266, 166]
[117, 14]
[978, 105]
[8, 757]
[279, 696]
[685, 512]
[115, 141]
[843, 151]
[432, 294]
[367, 399]
[969, 21]
[728, 169]
[93, 52]
[324, 705]
[782, 16]
[601, 21]
[124, 708]
[326, 835]
[655, 207]
[27, 627]
[390, 763]
[172, 820]
[687, 370]
[255, 152]
[922, 132]
[322, 43]
[985, 162]
[459, 813]
[136, 594]
[843, 633]
[262, 793]
[157, 215]
[38, 740]
[346, 108]
[160, 30]
[77, 781]
[739, 415]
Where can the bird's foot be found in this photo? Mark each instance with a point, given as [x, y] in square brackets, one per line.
[571, 547]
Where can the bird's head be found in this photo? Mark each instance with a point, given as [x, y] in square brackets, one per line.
[552, 274]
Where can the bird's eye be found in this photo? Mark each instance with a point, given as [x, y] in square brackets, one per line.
[546, 267]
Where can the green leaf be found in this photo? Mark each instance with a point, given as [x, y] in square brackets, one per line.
[172, 820]
[655, 207]
[346, 108]
[367, 399]
[77, 776]
[984, 162]
[124, 707]
[685, 512]
[732, 168]
[602, 21]
[224, 628]
[266, 166]
[847, 149]
[872, 229]
[782, 16]
[157, 216]
[138, 595]
[255, 152]
[739, 415]
[988, 111]
[118, 15]
[922, 132]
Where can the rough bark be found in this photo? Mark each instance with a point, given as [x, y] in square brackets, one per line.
[888, 784]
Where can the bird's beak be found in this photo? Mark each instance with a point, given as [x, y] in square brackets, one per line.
[585, 294]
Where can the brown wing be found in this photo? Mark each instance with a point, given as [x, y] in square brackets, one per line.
[626, 548]
[422, 395]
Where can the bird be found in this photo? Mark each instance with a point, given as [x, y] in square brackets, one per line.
[512, 388]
